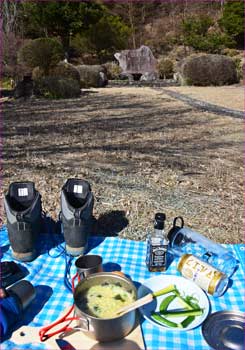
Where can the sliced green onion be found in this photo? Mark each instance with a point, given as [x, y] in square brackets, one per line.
[163, 291]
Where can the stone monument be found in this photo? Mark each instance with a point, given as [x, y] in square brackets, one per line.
[138, 61]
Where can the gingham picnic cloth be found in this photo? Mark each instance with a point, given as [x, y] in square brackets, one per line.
[46, 273]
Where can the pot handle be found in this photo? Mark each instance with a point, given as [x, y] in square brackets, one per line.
[84, 324]
[44, 331]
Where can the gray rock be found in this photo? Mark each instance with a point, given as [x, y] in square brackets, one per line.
[149, 76]
[207, 69]
[92, 75]
[139, 61]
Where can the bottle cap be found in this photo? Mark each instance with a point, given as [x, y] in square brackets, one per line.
[159, 221]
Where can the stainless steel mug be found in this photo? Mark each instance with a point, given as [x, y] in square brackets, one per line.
[88, 264]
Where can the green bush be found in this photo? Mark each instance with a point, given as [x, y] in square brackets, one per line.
[230, 52]
[113, 70]
[57, 87]
[165, 68]
[198, 33]
[232, 21]
[239, 66]
[62, 70]
[44, 53]
[65, 70]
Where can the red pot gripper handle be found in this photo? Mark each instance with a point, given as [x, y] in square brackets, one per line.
[43, 333]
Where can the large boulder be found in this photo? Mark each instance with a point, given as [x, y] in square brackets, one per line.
[139, 61]
[207, 69]
[92, 76]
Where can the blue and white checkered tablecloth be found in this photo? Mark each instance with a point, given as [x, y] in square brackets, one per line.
[46, 273]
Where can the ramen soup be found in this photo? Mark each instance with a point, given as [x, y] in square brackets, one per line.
[103, 300]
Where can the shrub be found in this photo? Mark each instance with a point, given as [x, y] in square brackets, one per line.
[232, 21]
[230, 52]
[165, 68]
[113, 70]
[239, 63]
[180, 52]
[37, 73]
[65, 70]
[206, 69]
[62, 70]
[57, 87]
[44, 53]
[201, 34]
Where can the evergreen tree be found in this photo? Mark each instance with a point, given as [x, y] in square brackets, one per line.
[61, 19]
[232, 21]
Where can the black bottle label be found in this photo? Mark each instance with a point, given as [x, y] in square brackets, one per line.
[158, 256]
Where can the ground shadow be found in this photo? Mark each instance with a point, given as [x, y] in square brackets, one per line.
[43, 293]
[4, 249]
[110, 223]
[111, 267]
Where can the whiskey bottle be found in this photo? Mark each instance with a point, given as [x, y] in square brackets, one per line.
[157, 246]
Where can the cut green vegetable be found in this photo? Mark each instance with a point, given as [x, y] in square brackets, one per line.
[184, 303]
[165, 303]
[187, 321]
[192, 301]
[165, 290]
[164, 321]
[181, 313]
[190, 308]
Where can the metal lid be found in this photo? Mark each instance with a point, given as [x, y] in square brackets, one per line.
[224, 330]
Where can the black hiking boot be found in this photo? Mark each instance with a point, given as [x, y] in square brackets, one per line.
[77, 202]
[23, 209]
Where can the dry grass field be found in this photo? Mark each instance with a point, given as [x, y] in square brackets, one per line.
[142, 152]
[231, 96]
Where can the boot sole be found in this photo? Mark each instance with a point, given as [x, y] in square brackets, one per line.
[75, 251]
[25, 257]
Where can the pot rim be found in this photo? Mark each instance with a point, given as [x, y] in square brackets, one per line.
[107, 274]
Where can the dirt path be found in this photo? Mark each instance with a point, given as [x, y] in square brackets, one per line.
[142, 151]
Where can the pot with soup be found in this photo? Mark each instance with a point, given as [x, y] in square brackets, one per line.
[97, 298]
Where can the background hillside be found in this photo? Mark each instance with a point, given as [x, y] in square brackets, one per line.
[91, 32]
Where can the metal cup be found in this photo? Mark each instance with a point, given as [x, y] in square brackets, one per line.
[88, 264]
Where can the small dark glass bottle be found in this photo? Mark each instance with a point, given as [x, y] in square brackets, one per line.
[157, 246]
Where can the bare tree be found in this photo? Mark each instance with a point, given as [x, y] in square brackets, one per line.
[11, 38]
[9, 14]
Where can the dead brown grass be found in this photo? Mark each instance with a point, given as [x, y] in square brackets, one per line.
[142, 152]
[230, 96]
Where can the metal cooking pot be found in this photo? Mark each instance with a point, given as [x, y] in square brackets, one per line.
[100, 329]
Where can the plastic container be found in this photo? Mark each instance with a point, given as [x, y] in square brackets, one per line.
[183, 240]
